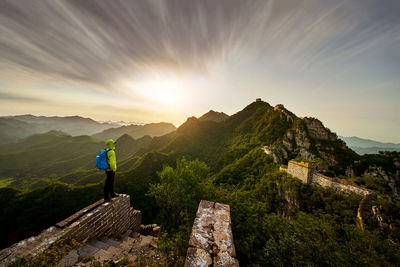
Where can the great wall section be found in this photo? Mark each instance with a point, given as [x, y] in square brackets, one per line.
[308, 173]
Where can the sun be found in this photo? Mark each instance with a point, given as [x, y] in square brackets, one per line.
[166, 90]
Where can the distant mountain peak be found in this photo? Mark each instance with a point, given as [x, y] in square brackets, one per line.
[125, 136]
[214, 116]
[367, 146]
[136, 131]
[256, 104]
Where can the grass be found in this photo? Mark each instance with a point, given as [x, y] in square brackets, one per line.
[4, 182]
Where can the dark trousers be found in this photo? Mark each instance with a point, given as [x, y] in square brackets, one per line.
[109, 185]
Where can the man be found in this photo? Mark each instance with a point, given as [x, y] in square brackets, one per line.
[110, 173]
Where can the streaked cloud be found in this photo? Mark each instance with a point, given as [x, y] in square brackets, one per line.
[18, 98]
[225, 51]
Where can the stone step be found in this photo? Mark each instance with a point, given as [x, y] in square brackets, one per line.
[109, 249]
[70, 259]
[103, 255]
[100, 244]
[146, 240]
[127, 244]
[87, 251]
[112, 242]
[116, 253]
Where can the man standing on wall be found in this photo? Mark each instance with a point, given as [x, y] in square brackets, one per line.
[110, 172]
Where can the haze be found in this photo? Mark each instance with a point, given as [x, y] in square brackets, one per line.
[152, 61]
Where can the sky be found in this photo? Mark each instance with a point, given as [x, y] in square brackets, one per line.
[166, 60]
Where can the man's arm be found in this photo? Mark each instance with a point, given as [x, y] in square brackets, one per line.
[112, 160]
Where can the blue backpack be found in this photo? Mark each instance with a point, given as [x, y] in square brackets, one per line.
[101, 160]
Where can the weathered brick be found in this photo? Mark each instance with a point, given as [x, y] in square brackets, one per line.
[211, 237]
[97, 220]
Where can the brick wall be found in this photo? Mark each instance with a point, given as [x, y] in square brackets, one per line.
[95, 221]
[112, 218]
[211, 240]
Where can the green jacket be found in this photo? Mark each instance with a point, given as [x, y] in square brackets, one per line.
[111, 158]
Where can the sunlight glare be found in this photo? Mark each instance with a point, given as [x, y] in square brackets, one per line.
[163, 90]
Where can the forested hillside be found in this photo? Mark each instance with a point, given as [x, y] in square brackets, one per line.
[42, 159]
[136, 131]
[276, 219]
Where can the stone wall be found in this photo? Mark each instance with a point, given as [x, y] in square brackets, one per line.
[337, 184]
[308, 174]
[301, 170]
[211, 242]
[98, 220]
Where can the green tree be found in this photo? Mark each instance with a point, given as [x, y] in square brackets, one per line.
[179, 192]
[178, 195]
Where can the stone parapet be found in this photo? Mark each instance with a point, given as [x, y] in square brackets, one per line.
[211, 242]
[337, 184]
[98, 220]
[308, 174]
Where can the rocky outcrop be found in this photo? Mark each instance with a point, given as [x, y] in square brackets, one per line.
[285, 113]
[316, 130]
[390, 177]
[278, 153]
[369, 215]
[307, 139]
[365, 211]
[385, 165]
[211, 241]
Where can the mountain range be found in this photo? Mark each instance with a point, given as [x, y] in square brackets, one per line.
[136, 131]
[276, 219]
[215, 138]
[367, 146]
[13, 128]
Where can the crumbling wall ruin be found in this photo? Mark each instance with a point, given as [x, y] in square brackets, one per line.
[211, 242]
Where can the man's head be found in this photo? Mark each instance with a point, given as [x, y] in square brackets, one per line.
[110, 144]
